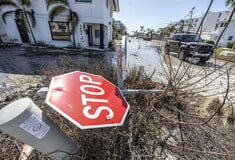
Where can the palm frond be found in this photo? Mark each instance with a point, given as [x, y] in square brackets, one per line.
[26, 2]
[22, 21]
[230, 3]
[32, 17]
[73, 21]
[55, 11]
[51, 2]
[18, 13]
[8, 3]
[6, 14]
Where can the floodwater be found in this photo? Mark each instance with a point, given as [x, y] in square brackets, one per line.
[142, 53]
[18, 60]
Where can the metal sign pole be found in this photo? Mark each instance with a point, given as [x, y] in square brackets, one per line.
[121, 51]
[140, 91]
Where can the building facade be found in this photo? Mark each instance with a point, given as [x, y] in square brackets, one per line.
[213, 25]
[93, 26]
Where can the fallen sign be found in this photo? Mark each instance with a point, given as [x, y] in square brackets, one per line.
[87, 100]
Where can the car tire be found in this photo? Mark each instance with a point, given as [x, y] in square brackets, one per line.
[181, 55]
[167, 50]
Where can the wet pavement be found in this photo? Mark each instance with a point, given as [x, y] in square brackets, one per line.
[23, 60]
[200, 78]
[19, 66]
[17, 61]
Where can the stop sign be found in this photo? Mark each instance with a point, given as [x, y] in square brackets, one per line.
[87, 100]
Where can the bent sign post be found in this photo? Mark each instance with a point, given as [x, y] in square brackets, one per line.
[87, 100]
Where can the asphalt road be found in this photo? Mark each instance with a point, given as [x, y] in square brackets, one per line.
[19, 65]
[208, 78]
[17, 62]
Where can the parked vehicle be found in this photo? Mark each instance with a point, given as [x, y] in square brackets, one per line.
[189, 45]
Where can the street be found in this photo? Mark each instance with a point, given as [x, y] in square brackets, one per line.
[19, 65]
[201, 78]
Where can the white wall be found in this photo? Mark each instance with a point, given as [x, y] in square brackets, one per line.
[210, 33]
[10, 28]
[94, 13]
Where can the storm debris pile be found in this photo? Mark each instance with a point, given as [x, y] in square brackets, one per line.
[158, 126]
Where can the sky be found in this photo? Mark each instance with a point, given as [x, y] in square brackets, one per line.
[158, 13]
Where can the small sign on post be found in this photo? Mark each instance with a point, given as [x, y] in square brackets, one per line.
[26, 122]
[87, 100]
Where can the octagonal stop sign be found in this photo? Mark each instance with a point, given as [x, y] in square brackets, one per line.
[87, 100]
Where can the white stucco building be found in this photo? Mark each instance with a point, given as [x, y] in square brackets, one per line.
[94, 27]
[213, 25]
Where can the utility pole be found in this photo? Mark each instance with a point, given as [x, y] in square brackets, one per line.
[190, 20]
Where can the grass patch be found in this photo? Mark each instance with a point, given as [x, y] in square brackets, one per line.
[222, 57]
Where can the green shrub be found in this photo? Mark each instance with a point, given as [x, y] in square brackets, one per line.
[112, 44]
[209, 41]
[41, 43]
[229, 45]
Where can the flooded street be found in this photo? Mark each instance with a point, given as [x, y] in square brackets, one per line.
[19, 62]
[201, 78]
[144, 54]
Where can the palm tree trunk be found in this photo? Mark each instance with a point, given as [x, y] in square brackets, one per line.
[74, 40]
[71, 19]
[30, 28]
[226, 26]
[203, 18]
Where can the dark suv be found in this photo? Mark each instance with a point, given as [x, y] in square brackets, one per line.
[189, 45]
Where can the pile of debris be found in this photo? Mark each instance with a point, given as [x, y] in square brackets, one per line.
[168, 125]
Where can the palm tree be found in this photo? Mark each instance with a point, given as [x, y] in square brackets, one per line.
[148, 32]
[60, 6]
[21, 14]
[142, 31]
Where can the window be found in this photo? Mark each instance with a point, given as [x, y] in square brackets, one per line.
[84, 0]
[97, 33]
[216, 26]
[219, 15]
[222, 24]
[230, 38]
[225, 24]
[60, 31]
[107, 3]
[177, 37]
[111, 12]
